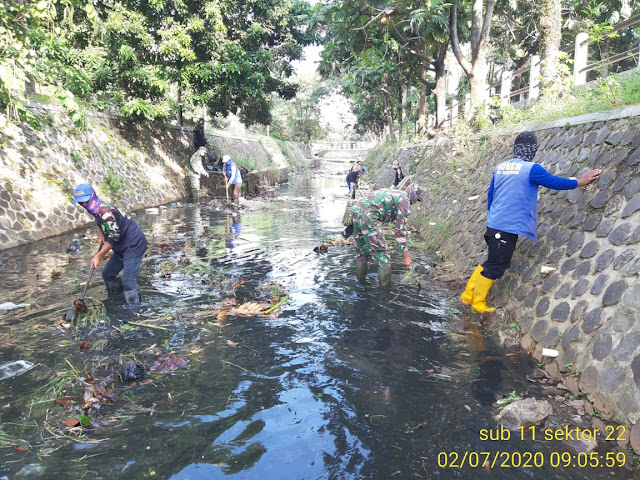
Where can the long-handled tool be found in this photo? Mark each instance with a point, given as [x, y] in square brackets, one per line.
[78, 304]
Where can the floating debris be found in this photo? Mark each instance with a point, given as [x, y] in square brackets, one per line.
[11, 369]
[169, 363]
[11, 306]
[132, 372]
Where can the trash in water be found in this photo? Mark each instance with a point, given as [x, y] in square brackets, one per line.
[152, 210]
[75, 246]
[169, 363]
[10, 306]
[132, 372]
[546, 269]
[12, 369]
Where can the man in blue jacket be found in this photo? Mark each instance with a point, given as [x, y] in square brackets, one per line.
[233, 177]
[119, 233]
[513, 210]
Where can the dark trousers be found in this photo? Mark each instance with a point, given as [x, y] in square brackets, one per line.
[115, 265]
[500, 252]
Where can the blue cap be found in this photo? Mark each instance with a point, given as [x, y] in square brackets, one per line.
[364, 169]
[82, 192]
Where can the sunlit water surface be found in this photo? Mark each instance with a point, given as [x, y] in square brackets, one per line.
[348, 382]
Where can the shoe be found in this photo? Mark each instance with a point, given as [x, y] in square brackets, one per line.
[483, 284]
[114, 286]
[467, 295]
[384, 275]
[132, 297]
[361, 269]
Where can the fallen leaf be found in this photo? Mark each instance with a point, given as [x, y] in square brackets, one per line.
[222, 314]
[250, 309]
[84, 345]
[64, 401]
[397, 447]
[21, 449]
[237, 284]
[231, 343]
[72, 422]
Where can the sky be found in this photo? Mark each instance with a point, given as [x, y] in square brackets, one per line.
[335, 108]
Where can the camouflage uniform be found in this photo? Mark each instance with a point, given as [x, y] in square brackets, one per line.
[368, 217]
[195, 170]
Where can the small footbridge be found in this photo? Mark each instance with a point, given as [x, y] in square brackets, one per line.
[337, 157]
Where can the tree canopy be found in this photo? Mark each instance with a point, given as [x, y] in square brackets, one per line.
[146, 59]
[230, 56]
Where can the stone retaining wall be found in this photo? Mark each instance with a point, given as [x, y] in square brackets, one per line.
[134, 166]
[588, 307]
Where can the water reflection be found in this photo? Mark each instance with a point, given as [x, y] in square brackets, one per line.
[348, 382]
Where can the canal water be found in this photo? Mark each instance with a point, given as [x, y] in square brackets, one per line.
[344, 381]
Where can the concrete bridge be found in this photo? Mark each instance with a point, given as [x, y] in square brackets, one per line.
[337, 157]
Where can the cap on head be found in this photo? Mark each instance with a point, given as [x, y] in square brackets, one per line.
[364, 169]
[225, 158]
[526, 138]
[201, 120]
[82, 192]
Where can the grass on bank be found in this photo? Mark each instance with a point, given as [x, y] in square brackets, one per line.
[605, 94]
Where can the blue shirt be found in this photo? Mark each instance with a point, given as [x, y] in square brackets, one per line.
[512, 198]
[232, 172]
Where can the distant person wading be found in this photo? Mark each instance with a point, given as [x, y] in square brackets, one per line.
[232, 178]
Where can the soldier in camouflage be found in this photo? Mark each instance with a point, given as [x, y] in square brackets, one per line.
[368, 217]
[195, 170]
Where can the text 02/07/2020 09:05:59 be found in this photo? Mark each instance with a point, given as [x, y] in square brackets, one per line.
[502, 459]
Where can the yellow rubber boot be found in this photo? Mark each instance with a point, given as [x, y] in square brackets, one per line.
[483, 284]
[467, 295]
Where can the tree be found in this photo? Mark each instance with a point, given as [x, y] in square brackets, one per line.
[33, 47]
[551, 35]
[476, 68]
[299, 119]
[384, 48]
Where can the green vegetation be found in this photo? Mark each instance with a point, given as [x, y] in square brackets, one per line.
[248, 162]
[140, 57]
[612, 92]
[113, 185]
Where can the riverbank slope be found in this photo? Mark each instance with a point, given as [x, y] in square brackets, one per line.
[588, 305]
[133, 165]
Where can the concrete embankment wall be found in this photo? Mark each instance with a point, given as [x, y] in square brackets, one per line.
[588, 307]
[134, 166]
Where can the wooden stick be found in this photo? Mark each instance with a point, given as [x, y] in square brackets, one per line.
[137, 324]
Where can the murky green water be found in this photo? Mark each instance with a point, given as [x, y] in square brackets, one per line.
[348, 382]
